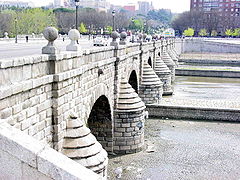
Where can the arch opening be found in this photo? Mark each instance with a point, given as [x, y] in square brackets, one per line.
[150, 61]
[100, 123]
[133, 81]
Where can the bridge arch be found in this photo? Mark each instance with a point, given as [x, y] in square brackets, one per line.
[100, 122]
[150, 61]
[133, 81]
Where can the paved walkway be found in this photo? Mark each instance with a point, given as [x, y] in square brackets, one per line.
[184, 150]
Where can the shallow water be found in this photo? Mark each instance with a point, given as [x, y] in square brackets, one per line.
[209, 88]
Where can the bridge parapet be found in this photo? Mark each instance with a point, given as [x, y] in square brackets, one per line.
[39, 92]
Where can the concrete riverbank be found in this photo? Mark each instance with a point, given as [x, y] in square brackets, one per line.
[201, 98]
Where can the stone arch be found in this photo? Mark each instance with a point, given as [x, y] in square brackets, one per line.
[100, 122]
[133, 81]
[150, 61]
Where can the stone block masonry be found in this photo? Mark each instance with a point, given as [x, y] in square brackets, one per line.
[38, 93]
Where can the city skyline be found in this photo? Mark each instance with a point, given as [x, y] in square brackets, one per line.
[174, 5]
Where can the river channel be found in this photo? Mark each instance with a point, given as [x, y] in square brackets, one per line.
[185, 149]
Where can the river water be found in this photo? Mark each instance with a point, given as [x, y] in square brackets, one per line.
[188, 149]
[208, 88]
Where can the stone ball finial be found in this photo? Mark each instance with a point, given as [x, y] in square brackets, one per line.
[74, 34]
[123, 35]
[50, 33]
[144, 36]
[115, 35]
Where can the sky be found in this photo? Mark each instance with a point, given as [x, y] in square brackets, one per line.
[177, 6]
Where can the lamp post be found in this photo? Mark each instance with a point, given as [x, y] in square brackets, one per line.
[132, 30]
[113, 14]
[77, 4]
[16, 30]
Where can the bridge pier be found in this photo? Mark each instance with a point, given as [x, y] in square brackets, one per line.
[129, 121]
[151, 88]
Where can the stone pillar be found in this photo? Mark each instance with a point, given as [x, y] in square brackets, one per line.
[81, 146]
[114, 36]
[51, 34]
[123, 38]
[129, 121]
[74, 36]
[164, 75]
[168, 61]
[151, 88]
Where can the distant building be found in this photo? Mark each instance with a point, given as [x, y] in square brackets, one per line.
[101, 5]
[131, 8]
[221, 7]
[58, 3]
[144, 7]
[20, 4]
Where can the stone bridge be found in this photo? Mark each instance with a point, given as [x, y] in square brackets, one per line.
[107, 88]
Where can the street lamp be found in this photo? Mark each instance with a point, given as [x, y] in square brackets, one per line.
[133, 29]
[113, 14]
[77, 4]
[16, 30]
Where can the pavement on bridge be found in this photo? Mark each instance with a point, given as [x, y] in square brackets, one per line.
[10, 49]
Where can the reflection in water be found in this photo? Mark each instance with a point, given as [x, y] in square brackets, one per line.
[208, 88]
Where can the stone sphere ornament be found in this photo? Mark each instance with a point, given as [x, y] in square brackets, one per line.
[6, 35]
[123, 35]
[123, 38]
[115, 35]
[74, 36]
[144, 36]
[140, 36]
[50, 34]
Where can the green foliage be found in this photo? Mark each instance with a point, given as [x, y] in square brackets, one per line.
[137, 24]
[214, 33]
[82, 28]
[229, 32]
[63, 10]
[188, 32]
[203, 32]
[32, 21]
[109, 29]
[162, 15]
[236, 32]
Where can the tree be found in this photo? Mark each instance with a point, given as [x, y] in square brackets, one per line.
[228, 32]
[214, 33]
[32, 20]
[109, 29]
[236, 32]
[162, 15]
[82, 28]
[5, 25]
[203, 32]
[189, 32]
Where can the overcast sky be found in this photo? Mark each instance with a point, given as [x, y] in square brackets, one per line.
[174, 5]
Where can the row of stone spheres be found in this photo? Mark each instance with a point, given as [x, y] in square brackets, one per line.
[79, 143]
